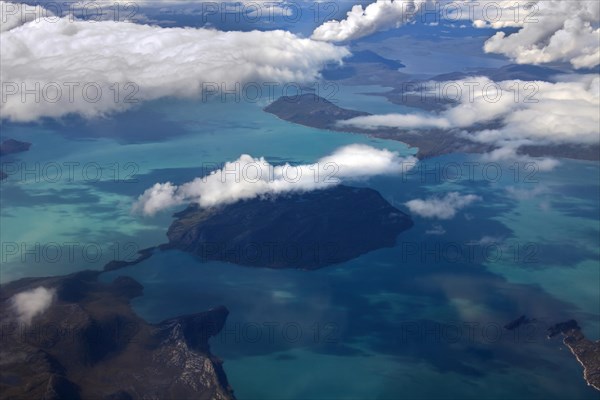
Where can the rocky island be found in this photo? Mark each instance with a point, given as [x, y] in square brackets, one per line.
[12, 146]
[304, 230]
[586, 351]
[76, 337]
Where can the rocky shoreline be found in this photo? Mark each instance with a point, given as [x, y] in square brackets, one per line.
[585, 351]
[86, 342]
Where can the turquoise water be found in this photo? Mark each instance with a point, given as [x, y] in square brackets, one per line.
[412, 321]
[57, 186]
[367, 328]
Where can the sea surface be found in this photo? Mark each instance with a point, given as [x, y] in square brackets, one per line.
[423, 319]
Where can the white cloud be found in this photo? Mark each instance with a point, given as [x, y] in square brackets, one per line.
[557, 31]
[509, 153]
[551, 30]
[377, 16]
[56, 55]
[249, 177]
[529, 112]
[437, 230]
[492, 13]
[31, 303]
[13, 15]
[441, 207]
[404, 121]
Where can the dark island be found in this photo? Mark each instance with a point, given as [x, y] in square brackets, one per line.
[586, 351]
[311, 110]
[12, 146]
[90, 344]
[303, 230]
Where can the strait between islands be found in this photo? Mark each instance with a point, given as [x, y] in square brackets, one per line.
[90, 344]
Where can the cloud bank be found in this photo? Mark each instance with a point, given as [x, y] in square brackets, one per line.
[249, 177]
[550, 30]
[360, 22]
[492, 13]
[556, 31]
[67, 63]
[32, 303]
[17, 14]
[441, 207]
[529, 112]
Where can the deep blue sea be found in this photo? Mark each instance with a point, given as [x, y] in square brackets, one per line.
[423, 319]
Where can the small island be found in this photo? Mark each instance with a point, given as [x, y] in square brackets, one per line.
[586, 351]
[88, 343]
[303, 230]
[12, 146]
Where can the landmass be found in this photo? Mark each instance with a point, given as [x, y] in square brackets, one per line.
[12, 146]
[304, 230]
[586, 351]
[90, 344]
[311, 110]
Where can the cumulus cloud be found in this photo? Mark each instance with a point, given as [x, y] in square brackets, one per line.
[249, 177]
[492, 13]
[437, 230]
[32, 303]
[107, 66]
[360, 22]
[441, 207]
[405, 121]
[529, 112]
[17, 14]
[550, 30]
[509, 153]
[557, 31]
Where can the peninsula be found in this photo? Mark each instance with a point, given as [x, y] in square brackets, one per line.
[586, 351]
[88, 343]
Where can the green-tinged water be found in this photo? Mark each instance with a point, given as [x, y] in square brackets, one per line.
[423, 319]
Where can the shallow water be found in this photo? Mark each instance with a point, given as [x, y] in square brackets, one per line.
[416, 320]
